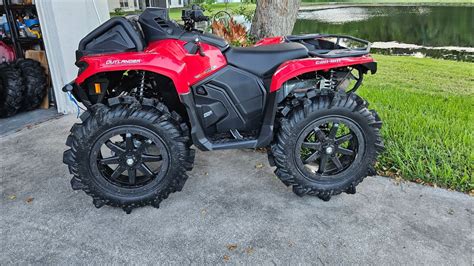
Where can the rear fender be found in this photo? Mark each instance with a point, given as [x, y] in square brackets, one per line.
[294, 68]
[270, 41]
[168, 58]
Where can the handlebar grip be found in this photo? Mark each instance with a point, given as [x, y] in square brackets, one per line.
[202, 18]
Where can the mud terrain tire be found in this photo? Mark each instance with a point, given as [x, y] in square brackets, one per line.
[11, 90]
[35, 82]
[155, 118]
[301, 114]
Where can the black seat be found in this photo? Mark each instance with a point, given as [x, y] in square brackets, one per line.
[264, 60]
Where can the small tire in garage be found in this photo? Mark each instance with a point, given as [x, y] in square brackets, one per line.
[11, 95]
[34, 78]
[2, 89]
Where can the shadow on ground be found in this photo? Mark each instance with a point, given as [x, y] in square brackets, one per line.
[229, 211]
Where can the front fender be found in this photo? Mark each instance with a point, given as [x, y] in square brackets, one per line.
[294, 68]
[167, 57]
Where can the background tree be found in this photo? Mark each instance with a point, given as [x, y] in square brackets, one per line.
[274, 17]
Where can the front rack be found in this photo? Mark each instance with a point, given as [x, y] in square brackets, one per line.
[320, 45]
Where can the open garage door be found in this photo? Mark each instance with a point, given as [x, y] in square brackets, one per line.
[64, 23]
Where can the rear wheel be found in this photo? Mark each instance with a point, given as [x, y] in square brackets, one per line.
[327, 145]
[129, 156]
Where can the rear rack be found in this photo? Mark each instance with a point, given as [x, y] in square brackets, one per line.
[319, 45]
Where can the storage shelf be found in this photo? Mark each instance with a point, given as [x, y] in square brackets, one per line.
[29, 40]
[19, 43]
[21, 6]
[25, 40]
[17, 7]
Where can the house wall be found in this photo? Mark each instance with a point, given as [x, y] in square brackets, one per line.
[175, 3]
[132, 5]
[228, 1]
[164, 3]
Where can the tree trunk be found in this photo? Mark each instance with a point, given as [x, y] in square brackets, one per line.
[274, 18]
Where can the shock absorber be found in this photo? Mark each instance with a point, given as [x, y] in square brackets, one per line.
[332, 82]
[141, 90]
[329, 83]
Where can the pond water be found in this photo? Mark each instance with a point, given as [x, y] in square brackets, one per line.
[423, 25]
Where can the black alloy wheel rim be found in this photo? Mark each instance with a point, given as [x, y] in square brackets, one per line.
[129, 157]
[329, 147]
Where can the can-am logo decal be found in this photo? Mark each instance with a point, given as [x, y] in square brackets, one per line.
[330, 61]
[123, 62]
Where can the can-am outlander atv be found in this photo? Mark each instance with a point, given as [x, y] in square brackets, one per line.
[153, 88]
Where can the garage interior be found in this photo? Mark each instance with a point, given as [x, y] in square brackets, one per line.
[23, 40]
[46, 36]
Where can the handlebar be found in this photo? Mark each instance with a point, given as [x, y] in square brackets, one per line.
[195, 14]
[191, 16]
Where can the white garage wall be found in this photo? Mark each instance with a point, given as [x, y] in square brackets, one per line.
[64, 23]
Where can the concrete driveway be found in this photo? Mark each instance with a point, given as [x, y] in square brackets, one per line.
[229, 211]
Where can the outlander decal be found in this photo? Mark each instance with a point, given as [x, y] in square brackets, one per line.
[123, 62]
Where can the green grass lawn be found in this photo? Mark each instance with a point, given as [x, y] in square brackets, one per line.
[427, 106]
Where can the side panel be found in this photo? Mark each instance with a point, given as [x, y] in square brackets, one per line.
[230, 99]
[166, 57]
[294, 68]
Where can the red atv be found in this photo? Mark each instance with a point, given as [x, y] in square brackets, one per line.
[153, 88]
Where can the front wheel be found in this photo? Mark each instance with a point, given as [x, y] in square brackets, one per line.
[129, 156]
[327, 145]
